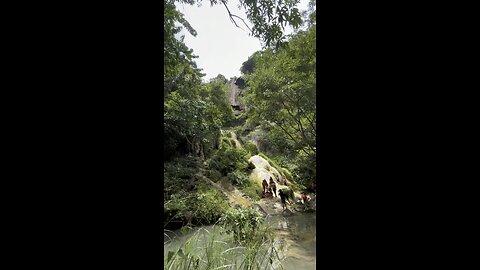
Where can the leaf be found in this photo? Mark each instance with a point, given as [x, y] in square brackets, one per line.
[180, 253]
[169, 256]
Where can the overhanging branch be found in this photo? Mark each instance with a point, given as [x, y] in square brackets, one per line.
[233, 15]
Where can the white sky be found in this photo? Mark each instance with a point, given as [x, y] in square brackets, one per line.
[220, 45]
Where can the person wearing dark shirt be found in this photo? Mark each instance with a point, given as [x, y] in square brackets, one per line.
[283, 198]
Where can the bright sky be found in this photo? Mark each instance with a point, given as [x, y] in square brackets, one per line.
[220, 45]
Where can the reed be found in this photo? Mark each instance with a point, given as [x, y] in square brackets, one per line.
[217, 248]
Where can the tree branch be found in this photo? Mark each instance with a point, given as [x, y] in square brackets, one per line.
[233, 15]
[298, 122]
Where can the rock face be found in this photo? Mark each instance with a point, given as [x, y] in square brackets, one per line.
[234, 95]
[263, 170]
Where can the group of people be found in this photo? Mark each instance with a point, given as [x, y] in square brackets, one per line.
[270, 190]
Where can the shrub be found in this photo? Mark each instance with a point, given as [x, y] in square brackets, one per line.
[208, 205]
[287, 174]
[285, 162]
[226, 143]
[229, 159]
[205, 205]
[252, 190]
[251, 148]
[214, 175]
[179, 174]
[237, 177]
[242, 222]
[187, 194]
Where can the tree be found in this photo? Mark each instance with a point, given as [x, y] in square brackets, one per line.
[281, 93]
[248, 66]
[269, 17]
[221, 78]
[283, 90]
[193, 111]
[186, 114]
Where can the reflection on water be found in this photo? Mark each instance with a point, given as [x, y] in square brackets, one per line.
[297, 233]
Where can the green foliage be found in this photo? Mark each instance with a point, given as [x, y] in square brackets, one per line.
[196, 115]
[208, 206]
[305, 170]
[269, 17]
[221, 78]
[180, 173]
[180, 69]
[237, 177]
[287, 174]
[242, 222]
[226, 143]
[240, 82]
[220, 109]
[228, 158]
[287, 164]
[277, 141]
[187, 193]
[281, 93]
[251, 148]
[248, 66]
[203, 206]
[213, 175]
[193, 111]
[251, 189]
[211, 249]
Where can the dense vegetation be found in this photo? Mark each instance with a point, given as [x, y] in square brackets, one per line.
[207, 145]
[279, 89]
[251, 247]
[281, 94]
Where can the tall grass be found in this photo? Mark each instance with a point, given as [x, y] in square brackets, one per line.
[216, 249]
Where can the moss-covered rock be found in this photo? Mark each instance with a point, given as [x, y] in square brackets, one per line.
[251, 148]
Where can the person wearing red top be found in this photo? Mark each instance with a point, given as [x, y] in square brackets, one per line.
[304, 197]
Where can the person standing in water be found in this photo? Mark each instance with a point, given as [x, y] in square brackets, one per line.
[283, 198]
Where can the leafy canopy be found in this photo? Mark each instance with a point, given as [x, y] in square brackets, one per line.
[281, 95]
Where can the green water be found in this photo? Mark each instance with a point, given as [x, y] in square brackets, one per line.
[296, 233]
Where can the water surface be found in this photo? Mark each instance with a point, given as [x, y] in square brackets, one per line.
[297, 233]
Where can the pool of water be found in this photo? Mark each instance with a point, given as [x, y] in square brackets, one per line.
[297, 233]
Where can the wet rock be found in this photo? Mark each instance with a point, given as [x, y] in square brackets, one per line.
[313, 203]
[260, 210]
[287, 212]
